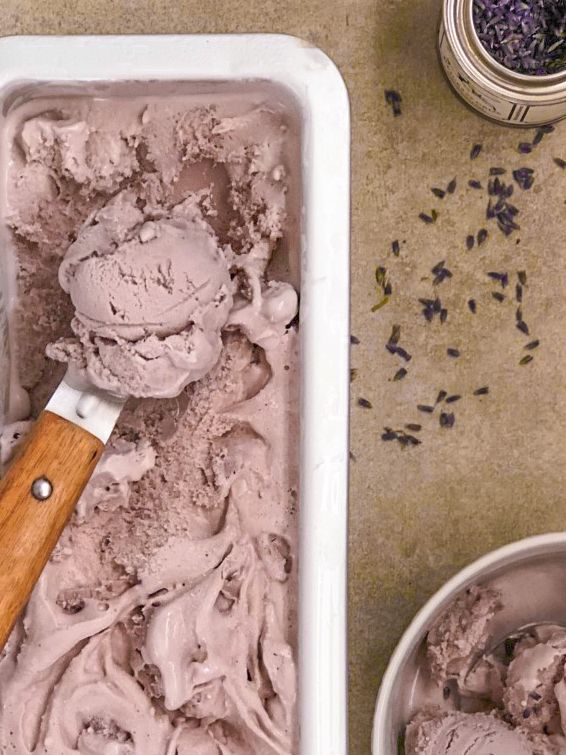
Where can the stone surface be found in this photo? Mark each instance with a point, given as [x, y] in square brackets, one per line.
[416, 515]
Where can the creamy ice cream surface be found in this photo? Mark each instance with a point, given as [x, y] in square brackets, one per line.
[145, 230]
[497, 698]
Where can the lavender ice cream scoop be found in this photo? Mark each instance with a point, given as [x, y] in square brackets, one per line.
[506, 698]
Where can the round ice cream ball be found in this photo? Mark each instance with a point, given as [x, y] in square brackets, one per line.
[159, 282]
[150, 301]
[530, 698]
[464, 734]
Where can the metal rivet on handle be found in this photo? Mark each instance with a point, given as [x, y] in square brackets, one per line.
[41, 489]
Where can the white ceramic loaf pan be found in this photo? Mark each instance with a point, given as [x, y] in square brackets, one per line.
[200, 63]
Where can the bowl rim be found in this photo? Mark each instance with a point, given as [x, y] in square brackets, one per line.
[512, 553]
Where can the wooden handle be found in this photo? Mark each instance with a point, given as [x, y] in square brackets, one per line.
[65, 455]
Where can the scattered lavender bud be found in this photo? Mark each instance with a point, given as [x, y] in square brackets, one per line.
[426, 409]
[364, 403]
[560, 162]
[523, 327]
[451, 188]
[475, 151]
[472, 306]
[440, 193]
[395, 248]
[354, 340]
[533, 345]
[525, 148]
[470, 240]
[403, 354]
[482, 236]
[473, 184]
[447, 419]
[526, 359]
[394, 100]
[481, 391]
[441, 396]
[524, 177]
[498, 296]
[453, 399]
[400, 374]
[395, 335]
[454, 353]
[426, 218]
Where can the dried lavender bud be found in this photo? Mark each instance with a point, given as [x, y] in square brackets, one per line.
[364, 403]
[414, 428]
[394, 100]
[395, 334]
[426, 218]
[475, 151]
[400, 374]
[502, 278]
[525, 148]
[526, 359]
[519, 314]
[451, 188]
[354, 340]
[524, 177]
[522, 276]
[523, 327]
[453, 399]
[454, 353]
[497, 171]
[519, 292]
[481, 391]
[472, 306]
[560, 162]
[440, 193]
[443, 315]
[353, 374]
[395, 248]
[403, 354]
[533, 345]
[482, 236]
[447, 419]
[473, 184]
[389, 435]
[498, 296]
[425, 408]
[408, 440]
[470, 241]
[441, 396]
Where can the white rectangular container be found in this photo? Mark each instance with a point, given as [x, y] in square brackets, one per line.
[318, 91]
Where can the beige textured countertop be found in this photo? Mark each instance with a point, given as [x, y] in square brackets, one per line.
[416, 515]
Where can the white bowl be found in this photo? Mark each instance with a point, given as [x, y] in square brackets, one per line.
[528, 595]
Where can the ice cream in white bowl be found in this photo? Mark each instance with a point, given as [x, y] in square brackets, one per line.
[454, 685]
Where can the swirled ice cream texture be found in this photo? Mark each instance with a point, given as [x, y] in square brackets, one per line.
[165, 622]
[496, 700]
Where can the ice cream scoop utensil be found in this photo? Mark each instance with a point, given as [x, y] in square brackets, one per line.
[42, 486]
[499, 648]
